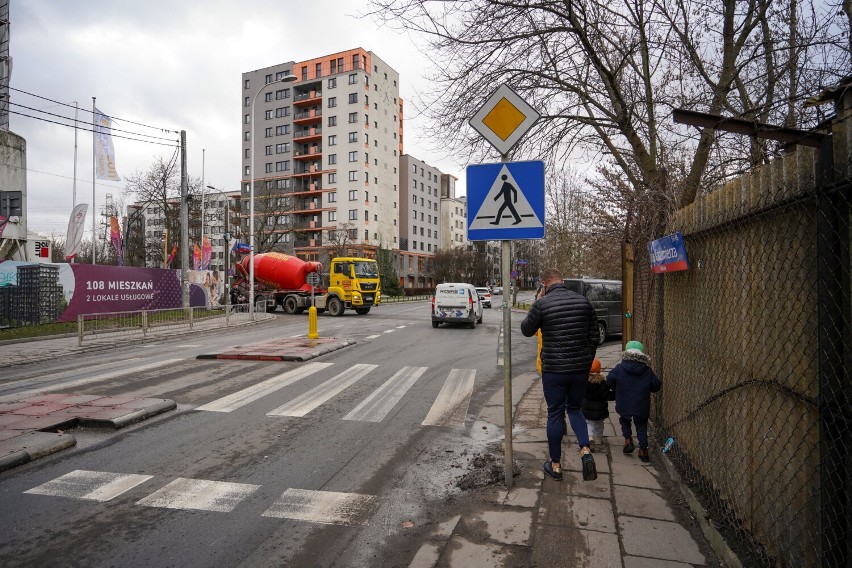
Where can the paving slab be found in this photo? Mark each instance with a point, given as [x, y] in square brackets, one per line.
[462, 552]
[39, 409]
[639, 562]
[639, 502]
[578, 512]
[282, 349]
[665, 540]
[519, 497]
[575, 548]
[633, 475]
[507, 527]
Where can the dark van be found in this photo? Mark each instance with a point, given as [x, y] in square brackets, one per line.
[605, 296]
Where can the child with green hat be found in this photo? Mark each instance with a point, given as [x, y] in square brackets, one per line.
[633, 381]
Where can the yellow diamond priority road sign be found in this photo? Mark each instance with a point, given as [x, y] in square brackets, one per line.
[504, 119]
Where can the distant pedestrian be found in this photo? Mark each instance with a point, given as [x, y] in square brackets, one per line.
[569, 334]
[633, 382]
[596, 406]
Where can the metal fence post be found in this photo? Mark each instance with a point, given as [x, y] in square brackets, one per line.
[79, 330]
[190, 317]
[144, 322]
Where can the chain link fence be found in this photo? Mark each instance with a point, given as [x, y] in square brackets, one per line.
[753, 346]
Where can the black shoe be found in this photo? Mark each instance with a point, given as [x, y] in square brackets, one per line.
[590, 470]
[628, 446]
[643, 455]
[548, 469]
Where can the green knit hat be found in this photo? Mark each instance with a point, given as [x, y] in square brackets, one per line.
[634, 345]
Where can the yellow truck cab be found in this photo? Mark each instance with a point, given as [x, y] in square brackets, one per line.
[353, 283]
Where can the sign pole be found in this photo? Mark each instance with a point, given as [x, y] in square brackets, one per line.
[505, 268]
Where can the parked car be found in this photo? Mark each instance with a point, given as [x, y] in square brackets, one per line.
[497, 290]
[456, 303]
[605, 296]
[485, 296]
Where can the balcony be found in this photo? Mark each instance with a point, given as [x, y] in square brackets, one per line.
[307, 153]
[308, 116]
[307, 98]
[307, 134]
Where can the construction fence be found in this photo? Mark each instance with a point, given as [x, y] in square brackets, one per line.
[753, 346]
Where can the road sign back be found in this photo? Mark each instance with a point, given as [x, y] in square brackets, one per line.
[505, 201]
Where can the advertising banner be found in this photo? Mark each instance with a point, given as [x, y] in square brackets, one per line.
[206, 253]
[115, 239]
[104, 150]
[74, 237]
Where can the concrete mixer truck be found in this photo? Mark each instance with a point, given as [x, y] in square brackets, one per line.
[283, 280]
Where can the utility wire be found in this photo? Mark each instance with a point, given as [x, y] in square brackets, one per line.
[90, 130]
[86, 110]
[79, 122]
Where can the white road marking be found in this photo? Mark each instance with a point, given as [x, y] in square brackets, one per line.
[299, 335]
[400, 326]
[199, 494]
[325, 507]
[310, 400]
[91, 485]
[372, 336]
[450, 408]
[87, 380]
[389, 331]
[42, 378]
[192, 345]
[254, 392]
[376, 406]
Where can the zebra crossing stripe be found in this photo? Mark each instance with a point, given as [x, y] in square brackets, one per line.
[199, 495]
[243, 397]
[376, 406]
[325, 507]
[87, 380]
[310, 400]
[91, 485]
[450, 408]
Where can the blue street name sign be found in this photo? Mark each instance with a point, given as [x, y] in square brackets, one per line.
[668, 254]
[505, 201]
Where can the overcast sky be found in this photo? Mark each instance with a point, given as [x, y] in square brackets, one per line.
[175, 65]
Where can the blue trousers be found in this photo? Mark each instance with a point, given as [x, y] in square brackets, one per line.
[563, 393]
[641, 423]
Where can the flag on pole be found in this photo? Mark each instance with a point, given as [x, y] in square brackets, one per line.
[206, 253]
[104, 151]
[196, 257]
[242, 248]
[171, 256]
[115, 239]
[74, 237]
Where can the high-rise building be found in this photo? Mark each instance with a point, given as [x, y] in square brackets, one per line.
[453, 214]
[325, 148]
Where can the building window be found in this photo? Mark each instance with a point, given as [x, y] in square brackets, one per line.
[332, 178]
[332, 83]
[353, 175]
[332, 102]
[282, 112]
[268, 132]
[353, 195]
[268, 151]
[353, 79]
[332, 215]
[332, 139]
[268, 115]
[353, 214]
[353, 117]
[353, 156]
[353, 136]
[319, 69]
[353, 234]
[248, 172]
[247, 119]
[246, 84]
[282, 166]
[269, 167]
[269, 78]
[332, 159]
[283, 129]
[353, 98]
[282, 148]
[304, 73]
[247, 101]
[332, 121]
[332, 197]
[267, 97]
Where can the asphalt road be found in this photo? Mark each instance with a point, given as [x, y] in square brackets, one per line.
[321, 463]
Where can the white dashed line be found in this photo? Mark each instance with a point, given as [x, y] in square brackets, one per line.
[91, 485]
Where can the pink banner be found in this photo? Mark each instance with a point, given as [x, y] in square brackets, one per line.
[196, 257]
[171, 256]
[206, 253]
[115, 238]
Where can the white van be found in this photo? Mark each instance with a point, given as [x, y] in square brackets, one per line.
[456, 303]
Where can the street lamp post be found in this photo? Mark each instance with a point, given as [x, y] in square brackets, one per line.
[286, 79]
[227, 277]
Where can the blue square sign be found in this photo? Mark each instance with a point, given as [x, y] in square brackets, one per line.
[505, 201]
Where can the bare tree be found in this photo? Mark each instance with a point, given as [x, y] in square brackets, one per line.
[606, 76]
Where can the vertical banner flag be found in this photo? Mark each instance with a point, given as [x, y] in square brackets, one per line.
[115, 239]
[171, 256]
[196, 257]
[74, 237]
[104, 151]
[206, 253]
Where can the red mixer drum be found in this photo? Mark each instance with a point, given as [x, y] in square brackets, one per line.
[279, 270]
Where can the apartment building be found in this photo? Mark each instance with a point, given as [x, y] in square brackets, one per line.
[453, 214]
[324, 143]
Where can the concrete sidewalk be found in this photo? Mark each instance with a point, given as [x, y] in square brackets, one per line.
[632, 516]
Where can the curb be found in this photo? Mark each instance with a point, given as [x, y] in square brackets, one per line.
[714, 537]
[42, 444]
[304, 356]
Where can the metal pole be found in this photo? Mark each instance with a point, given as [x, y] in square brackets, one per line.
[184, 224]
[203, 211]
[94, 176]
[74, 187]
[505, 265]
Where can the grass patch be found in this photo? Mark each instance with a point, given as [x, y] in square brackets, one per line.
[38, 330]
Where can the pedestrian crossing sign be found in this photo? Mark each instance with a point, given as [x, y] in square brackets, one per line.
[505, 201]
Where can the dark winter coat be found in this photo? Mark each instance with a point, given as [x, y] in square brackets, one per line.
[596, 402]
[569, 330]
[633, 382]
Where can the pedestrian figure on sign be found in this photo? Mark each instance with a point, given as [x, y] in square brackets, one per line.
[510, 197]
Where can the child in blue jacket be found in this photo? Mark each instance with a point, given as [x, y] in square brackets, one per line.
[633, 381]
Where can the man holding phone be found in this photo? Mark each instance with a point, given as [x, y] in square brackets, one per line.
[569, 334]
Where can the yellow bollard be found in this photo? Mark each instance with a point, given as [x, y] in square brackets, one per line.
[312, 323]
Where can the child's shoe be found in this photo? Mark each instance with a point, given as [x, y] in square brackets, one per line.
[628, 446]
[554, 473]
[643, 455]
[601, 444]
[590, 471]
[592, 445]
